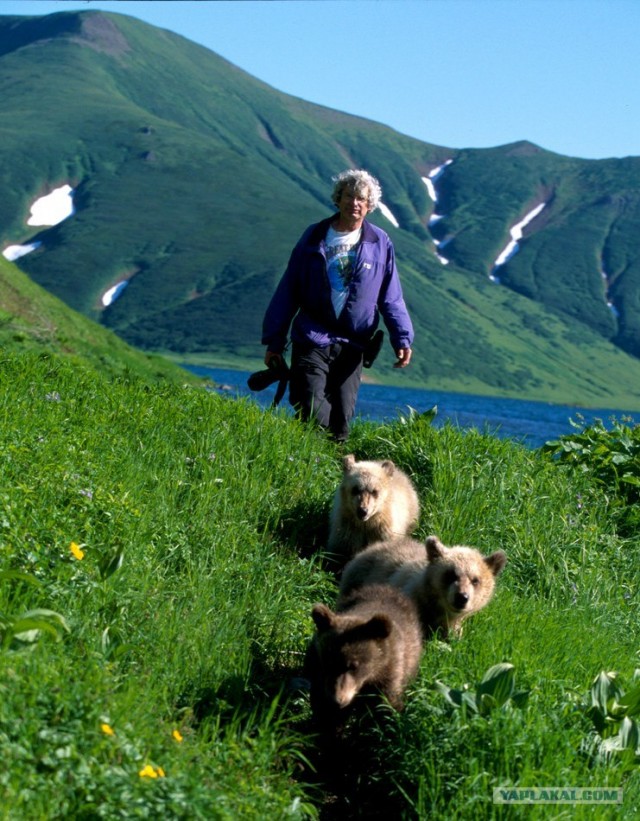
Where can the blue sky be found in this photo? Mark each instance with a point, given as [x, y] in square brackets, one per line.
[564, 74]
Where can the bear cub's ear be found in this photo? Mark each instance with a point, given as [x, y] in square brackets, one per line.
[435, 549]
[378, 627]
[388, 466]
[496, 562]
[348, 462]
[322, 616]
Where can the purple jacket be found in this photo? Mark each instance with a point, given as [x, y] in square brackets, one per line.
[304, 292]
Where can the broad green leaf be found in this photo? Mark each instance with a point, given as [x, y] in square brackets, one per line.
[49, 616]
[620, 458]
[498, 682]
[454, 697]
[111, 564]
[629, 735]
[27, 627]
[469, 701]
[457, 698]
[604, 691]
[28, 636]
[20, 576]
[630, 701]
[486, 703]
[28, 630]
[610, 745]
[520, 698]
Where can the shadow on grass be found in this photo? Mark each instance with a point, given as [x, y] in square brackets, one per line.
[345, 774]
[349, 776]
[345, 777]
[304, 528]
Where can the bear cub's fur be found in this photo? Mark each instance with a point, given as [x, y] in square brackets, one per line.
[371, 642]
[375, 501]
[447, 584]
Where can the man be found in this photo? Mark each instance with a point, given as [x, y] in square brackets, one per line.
[340, 278]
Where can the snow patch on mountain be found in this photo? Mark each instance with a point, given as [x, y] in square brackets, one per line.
[110, 296]
[45, 211]
[54, 208]
[440, 258]
[14, 252]
[610, 304]
[387, 212]
[513, 246]
[433, 176]
[430, 181]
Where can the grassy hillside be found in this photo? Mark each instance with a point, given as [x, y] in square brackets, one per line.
[490, 340]
[33, 320]
[192, 180]
[158, 563]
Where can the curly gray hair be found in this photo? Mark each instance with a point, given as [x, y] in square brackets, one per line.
[359, 181]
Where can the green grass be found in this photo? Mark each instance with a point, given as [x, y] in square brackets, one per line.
[167, 648]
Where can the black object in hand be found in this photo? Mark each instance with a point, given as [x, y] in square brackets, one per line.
[372, 349]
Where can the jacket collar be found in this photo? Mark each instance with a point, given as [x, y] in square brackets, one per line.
[319, 231]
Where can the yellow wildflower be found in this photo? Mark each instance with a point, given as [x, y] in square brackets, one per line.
[107, 730]
[177, 735]
[148, 772]
[77, 551]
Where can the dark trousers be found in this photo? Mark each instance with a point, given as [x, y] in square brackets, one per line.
[324, 385]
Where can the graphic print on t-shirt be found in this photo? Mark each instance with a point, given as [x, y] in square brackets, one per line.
[341, 251]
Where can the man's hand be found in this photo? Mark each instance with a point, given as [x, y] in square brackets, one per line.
[404, 357]
[272, 360]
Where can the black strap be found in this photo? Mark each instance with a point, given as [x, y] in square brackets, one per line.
[282, 387]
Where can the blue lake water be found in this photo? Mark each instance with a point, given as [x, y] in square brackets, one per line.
[531, 423]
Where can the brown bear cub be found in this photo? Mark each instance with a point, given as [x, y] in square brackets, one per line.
[375, 501]
[447, 584]
[371, 642]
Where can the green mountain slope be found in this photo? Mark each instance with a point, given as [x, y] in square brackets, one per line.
[192, 180]
[33, 319]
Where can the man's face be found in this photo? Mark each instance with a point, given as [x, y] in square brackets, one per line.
[354, 205]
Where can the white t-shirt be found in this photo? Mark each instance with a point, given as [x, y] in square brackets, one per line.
[341, 250]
